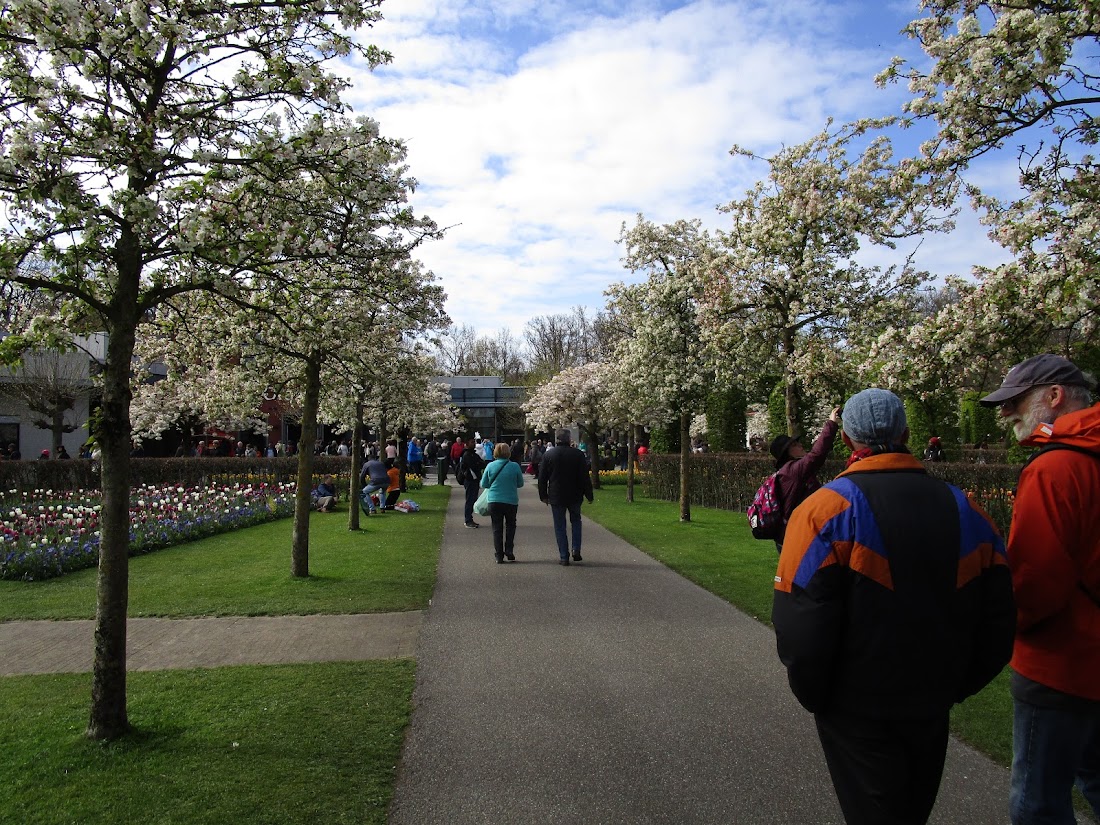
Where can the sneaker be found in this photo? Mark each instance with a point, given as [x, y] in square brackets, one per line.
[577, 557]
[564, 562]
[510, 556]
[472, 524]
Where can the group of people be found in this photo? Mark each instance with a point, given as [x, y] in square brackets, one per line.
[11, 452]
[896, 598]
[563, 483]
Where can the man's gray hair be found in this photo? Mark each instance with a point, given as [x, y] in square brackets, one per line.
[563, 436]
[1078, 395]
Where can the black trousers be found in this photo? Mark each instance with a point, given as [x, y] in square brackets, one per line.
[885, 772]
[504, 527]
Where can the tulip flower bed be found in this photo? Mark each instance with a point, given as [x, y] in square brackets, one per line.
[47, 533]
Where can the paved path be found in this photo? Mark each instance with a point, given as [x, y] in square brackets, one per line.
[613, 691]
[163, 644]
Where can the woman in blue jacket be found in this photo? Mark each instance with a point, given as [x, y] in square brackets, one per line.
[414, 458]
[503, 478]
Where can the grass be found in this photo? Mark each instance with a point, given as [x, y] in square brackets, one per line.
[389, 565]
[716, 550]
[272, 744]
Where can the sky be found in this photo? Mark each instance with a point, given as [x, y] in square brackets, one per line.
[537, 128]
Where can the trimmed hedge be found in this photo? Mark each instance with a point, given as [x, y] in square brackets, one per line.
[728, 481]
[82, 474]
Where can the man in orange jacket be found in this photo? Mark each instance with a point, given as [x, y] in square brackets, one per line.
[1054, 555]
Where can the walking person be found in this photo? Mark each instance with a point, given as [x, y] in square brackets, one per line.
[1054, 554]
[893, 601]
[563, 482]
[796, 469]
[470, 467]
[503, 478]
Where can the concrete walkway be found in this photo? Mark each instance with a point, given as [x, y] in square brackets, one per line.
[610, 691]
[165, 644]
[613, 691]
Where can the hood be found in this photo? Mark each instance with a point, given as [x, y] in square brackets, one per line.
[1081, 429]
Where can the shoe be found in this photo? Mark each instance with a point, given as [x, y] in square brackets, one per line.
[564, 562]
[510, 556]
[472, 524]
[500, 559]
[577, 557]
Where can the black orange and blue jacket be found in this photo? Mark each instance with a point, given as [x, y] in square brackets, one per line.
[893, 598]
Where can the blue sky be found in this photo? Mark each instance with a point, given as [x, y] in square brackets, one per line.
[537, 127]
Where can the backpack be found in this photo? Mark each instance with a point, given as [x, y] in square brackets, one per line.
[765, 514]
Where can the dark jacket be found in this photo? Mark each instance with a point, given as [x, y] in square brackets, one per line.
[893, 598]
[563, 476]
[470, 467]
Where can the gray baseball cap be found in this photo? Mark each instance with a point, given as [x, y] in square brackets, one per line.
[1037, 371]
[875, 416]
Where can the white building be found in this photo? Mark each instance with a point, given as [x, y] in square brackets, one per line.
[50, 389]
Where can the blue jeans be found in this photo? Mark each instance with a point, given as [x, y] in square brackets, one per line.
[1052, 749]
[559, 511]
[365, 499]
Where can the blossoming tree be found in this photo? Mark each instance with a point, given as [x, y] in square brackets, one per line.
[577, 395]
[666, 351]
[1017, 78]
[152, 150]
[785, 292]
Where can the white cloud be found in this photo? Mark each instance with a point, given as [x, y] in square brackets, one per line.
[537, 128]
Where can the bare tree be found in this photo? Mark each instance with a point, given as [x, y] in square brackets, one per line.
[557, 342]
[452, 349]
[50, 384]
[502, 356]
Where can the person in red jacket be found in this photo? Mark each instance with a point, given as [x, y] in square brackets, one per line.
[1054, 555]
[797, 469]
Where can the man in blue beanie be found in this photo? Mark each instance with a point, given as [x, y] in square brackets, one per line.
[893, 602]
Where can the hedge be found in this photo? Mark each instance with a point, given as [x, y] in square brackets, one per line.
[728, 481]
[83, 474]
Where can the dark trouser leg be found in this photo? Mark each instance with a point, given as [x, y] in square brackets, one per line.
[885, 772]
[558, 511]
[575, 523]
[497, 514]
[473, 490]
[510, 511]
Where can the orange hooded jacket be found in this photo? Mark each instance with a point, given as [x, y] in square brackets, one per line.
[1054, 555]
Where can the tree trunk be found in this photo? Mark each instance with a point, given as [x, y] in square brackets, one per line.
[631, 447]
[108, 713]
[299, 556]
[593, 454]
[403, 436]
[791, 407]
[356, 464]
[685, 466]
[57, 429]
[790, 387]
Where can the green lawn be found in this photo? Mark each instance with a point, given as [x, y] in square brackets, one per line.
[282, 744]
[388, 565]
[716, 550]
[267, 744]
